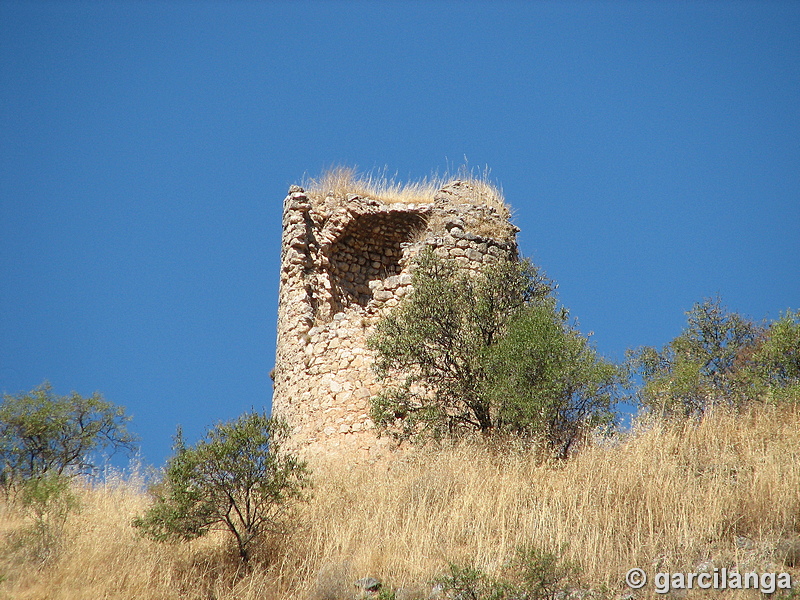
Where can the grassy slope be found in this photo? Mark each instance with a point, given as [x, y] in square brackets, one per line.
[665, 498]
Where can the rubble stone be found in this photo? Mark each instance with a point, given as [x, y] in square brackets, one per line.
[345, 264]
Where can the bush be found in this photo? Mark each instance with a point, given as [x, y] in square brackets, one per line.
[46, 502]
[776, 360]
[466, 582]
[720, 358]
[237, 478]
[531, 574]
[43, 434]
[487, 352]
[545, 380]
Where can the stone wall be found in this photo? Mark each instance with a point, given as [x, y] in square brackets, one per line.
[344, 263]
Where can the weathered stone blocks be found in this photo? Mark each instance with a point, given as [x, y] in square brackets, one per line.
[344, 264]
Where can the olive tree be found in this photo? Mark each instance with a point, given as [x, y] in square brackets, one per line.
[44, 434]
[459, 353]
[546, 380]
[720, 358]
[237, 477]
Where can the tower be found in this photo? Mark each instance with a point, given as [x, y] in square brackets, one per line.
[346, 260]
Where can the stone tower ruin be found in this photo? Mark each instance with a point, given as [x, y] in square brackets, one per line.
[345, 261]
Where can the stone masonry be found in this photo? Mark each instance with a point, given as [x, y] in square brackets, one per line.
[344, 263]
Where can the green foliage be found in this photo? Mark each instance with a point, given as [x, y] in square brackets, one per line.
[386, 593]
[697, 368]
[45, 440]
[43, 434]
[546, 380]
[776, 361]
[537, 575]
[720, 358]
[467, 582]
[531, 574]
[237, 477]
[45, 502]
[48, 496]
[437, 339]
[488, 352]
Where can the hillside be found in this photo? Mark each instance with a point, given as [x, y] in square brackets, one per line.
[717, 493]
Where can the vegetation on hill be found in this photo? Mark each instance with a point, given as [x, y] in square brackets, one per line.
[489, 352]
[721, 358]
[712, 487]
[238, 477]
[47, 441]
[525, 493]
[668, 496]
[43, 434]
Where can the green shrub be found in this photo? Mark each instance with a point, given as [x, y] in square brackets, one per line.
[46, 502]
[776, 361]
[720, 358]
[488, 352]
[466, 582]
[237, 478]
[43, 434]
[545, 380]
[531, 574]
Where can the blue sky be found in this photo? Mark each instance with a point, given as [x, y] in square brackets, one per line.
[650, 150]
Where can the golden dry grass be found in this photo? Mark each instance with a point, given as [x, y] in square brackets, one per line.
[338, 182]
[665, 497]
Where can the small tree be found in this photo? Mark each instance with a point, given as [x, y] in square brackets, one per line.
[42, 434]
[546, 380]
[720, 358]
[773, 369]
[488, 352]
[432, 347]
[236, 477]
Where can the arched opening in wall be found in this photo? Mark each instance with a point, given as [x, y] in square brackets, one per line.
[369, 248]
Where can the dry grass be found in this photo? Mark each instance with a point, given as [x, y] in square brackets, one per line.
[665, 497]
[335, 184]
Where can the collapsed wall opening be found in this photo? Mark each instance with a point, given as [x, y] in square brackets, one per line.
[345, 263]
[369, 248]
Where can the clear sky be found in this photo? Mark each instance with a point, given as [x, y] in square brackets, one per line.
[650, 150]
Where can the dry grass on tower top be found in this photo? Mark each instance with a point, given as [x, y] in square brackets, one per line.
[338, 182]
